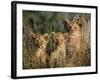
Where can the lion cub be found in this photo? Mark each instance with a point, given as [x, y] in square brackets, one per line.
[58, 56]
[40, 49]
[74, 31]
[73, 46]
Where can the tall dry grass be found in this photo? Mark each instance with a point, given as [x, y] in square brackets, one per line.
[71, 59]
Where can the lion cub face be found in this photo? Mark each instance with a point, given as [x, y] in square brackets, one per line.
[41, 40]
[71, 26]
[58, 38]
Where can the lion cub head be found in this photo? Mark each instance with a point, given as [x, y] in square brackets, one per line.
[40, 40]
[58, 38]
[72, 26]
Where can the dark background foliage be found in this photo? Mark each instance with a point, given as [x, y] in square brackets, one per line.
[42, 22]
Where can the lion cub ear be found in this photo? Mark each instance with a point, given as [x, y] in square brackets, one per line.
[66, 22]
[46, 36]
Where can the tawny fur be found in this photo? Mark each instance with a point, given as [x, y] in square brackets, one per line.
[73, 45]
[74, 38]
[84, 20]
[58, 56]
[78, 40]
[85, 23]
[40, 50]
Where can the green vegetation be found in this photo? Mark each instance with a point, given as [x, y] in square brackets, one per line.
[43, 22]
